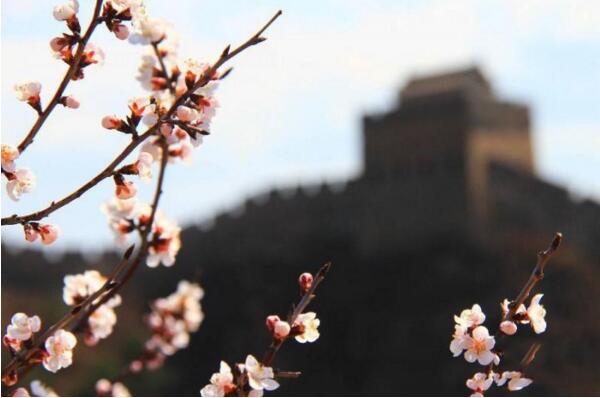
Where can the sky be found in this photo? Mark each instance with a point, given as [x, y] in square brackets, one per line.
[290, 111]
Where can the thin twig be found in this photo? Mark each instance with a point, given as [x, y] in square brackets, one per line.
[163, 67]
[529, 356]
[73, 68]
[536, 275]
[307, 297]
[108, 171]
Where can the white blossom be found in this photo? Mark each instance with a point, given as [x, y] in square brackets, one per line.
[9, 155]
[478, 346]
[165, 248]
[470, 317]
[28, 91]
[23, 181]
[22, 327]
[309, 324]
[59, 348]
[479, 383]
[459, 340]
[259, 377]
[220, 383]
[66, 11]
[536, 314]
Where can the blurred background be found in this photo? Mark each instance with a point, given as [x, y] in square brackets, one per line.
[428, 149]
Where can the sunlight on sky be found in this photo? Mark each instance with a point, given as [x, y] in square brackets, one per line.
[290, 111]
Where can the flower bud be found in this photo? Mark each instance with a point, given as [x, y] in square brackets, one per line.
[121, 31]
[58, 43]
[111, 122]
[271, 321]
[281, 329]
[71, 102]
[166, 129]
[49, 233]
[305, 281]
[508, 327]
[125, 190]
[185, 114]
[30, 233]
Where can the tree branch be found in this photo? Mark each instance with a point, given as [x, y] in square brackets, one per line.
[307, 297]
[536, 275]
[108, 171]
[73, 68]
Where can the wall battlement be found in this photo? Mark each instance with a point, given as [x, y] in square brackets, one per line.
[450, 162]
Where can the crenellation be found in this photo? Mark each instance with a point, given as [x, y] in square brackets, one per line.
[450, 163]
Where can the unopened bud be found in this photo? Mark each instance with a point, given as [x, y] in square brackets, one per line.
[71, 102]
[30, 233]
[111, 122]
[121, 31]
[508, 327]
[281, 329]
[305, 281]
[271, 321]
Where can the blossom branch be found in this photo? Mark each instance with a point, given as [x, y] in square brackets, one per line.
[473, 338]
[82, 311]
[308, 296]
[24, 358]
[536, 275]
[204, 79]
[71, 71]
[145, 232]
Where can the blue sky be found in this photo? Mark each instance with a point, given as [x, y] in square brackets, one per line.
[290, 112]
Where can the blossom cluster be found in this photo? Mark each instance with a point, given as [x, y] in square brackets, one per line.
[472, 338]
[127, 215]
[58, 348]
[80, 287]
[171, 321]
[255, 377]
[259, 378]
